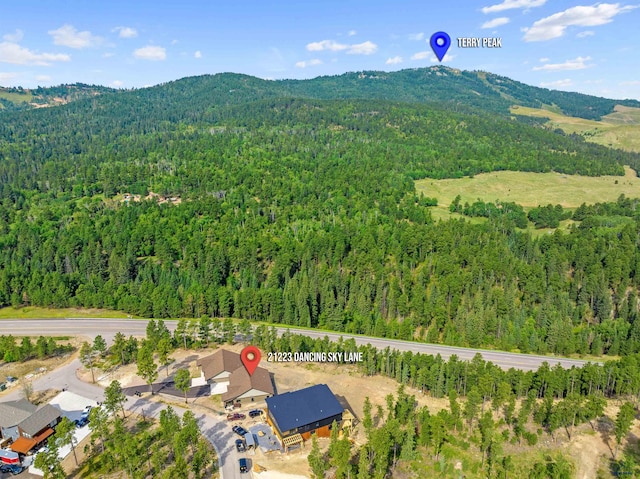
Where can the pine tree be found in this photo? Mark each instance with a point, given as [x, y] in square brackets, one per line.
[316, 460]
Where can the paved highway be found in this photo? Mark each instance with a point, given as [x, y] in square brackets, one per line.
[109, 327]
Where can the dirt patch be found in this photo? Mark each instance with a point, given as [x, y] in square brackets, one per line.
[39, 366]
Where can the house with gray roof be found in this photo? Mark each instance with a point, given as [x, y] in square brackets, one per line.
[13, 413]
[36, 428]
[227, 377]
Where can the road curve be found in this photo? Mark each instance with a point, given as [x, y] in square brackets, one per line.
[137, 327]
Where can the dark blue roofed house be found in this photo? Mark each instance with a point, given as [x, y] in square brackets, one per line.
[295, 415]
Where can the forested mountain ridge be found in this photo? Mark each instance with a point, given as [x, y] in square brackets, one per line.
[458, 89]
[304, 212]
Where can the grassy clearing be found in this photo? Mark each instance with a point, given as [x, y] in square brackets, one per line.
[531, 189]
[620, 129]
[16, 97]
[35, 312]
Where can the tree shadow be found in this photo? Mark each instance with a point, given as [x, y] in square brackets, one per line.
[605, 426]
[184, 362]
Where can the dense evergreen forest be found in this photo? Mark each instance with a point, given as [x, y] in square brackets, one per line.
[458, 89]
[304, 212]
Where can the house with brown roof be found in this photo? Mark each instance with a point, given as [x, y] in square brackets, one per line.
[36, 428]
[24, 425]
[13, 413]
[227, 376]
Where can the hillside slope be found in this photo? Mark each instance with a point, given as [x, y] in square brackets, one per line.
[12, 99]
[459, 90]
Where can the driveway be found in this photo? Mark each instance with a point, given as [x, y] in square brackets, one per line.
[169, 387]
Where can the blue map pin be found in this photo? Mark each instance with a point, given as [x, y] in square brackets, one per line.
[440, 43]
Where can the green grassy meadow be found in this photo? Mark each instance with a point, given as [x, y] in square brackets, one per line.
[531, 189]
[34, 312]
[620, 129]
[16, 97]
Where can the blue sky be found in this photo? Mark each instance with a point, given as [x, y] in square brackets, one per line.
[565, 44]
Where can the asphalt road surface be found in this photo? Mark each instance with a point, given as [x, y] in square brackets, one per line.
[168, 387]
[109, 327]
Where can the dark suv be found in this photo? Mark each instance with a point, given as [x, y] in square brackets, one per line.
[244, 466]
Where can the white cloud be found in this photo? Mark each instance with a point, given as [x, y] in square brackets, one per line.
[308, 63]
[365, 48]
[496, 22]
[567, 82]
[43, 78]
[352, 33]
[586, 33]
[198, 54]
[544, 60]
[394, 60]
[14, 37]
[174, 42]
[108, 55]
[7, 76]
[150, 53]
[631, 82]
[13, 53]
[126, 32]
[555, 25]
[326, 45]
[431, 57]
[421, 55]
[447, 58]
[68, 36]
[575, 64]
[117, 83]
[513, 4]
[416, 36]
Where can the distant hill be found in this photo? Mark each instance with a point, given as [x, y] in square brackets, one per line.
[22, 99]
[459, 90]
[485, 91]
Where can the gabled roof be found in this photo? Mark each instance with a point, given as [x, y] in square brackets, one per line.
[13, 412]
[306, 406]
[241, 382]
[40, 419]
[218, 362]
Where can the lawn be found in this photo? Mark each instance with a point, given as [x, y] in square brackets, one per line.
[34, 312]
[531, 189]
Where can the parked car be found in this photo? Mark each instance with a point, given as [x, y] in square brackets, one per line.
[82, 421]
[255, 413]
[244, 465]
[239, 430]
[12, 468]
[235, 417]
[240, 445]
[11, 379]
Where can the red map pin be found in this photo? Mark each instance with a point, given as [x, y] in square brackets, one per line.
[250, 357]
